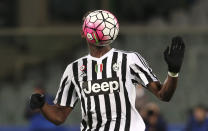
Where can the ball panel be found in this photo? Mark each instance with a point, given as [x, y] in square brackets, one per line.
[100, 34]
[93, 13]
[101, 26]
[97, 23]
[112, 32]
[112, 21]
[109, 25]
[116, 33]
[99, 16]
[106, 31]
[117, 26]
[90, 25]
[105, 15]
[111, 16]
[87, 20]
[93, 19]
[106, 37]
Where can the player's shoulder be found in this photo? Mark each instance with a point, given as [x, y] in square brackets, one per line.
[130, 53]
[133, 56]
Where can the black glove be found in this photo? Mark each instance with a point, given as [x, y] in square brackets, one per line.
[174, 55]
[37, 101]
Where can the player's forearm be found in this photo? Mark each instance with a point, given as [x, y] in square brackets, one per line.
[54, 113]
[168, 88]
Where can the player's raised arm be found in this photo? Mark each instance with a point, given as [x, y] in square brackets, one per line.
[54, 113]
[174, 57]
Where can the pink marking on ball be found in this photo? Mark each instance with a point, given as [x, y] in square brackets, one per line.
[97, 23]
[91, 25]
[101, 27]
[106, 38]
[89, 35]
[87, 20]
[100, 34]
[87, 30]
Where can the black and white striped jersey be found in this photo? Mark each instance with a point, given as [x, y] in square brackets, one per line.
[106, 88]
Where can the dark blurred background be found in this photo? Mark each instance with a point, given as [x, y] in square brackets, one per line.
[39, 38]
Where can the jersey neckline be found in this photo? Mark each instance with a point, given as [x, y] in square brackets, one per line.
[102, 57]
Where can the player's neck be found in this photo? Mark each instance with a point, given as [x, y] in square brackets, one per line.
[97, 51]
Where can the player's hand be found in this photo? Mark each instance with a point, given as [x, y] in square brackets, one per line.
[37, 101]
[174, 55]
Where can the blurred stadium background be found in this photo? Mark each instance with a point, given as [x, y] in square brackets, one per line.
[38, 38]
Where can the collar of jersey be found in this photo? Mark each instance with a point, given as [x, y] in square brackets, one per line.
[102, 57]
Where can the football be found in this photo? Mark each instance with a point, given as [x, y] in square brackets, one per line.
[100, 27]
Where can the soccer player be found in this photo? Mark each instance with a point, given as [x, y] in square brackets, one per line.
[104, 81]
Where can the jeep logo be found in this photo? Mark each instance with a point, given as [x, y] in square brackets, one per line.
[104, 86]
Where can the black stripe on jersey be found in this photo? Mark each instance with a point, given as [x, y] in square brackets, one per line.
[70, 93]
[76, 76]
[89, 114]
[145, 73]
[107, 99]
[104, 72]
[116, 94]
[96, 99]
[128, 105]
[84, 124]
[84, 79]
[134, 73]
[85, 70]
[62, 89]
[94, 74]
[137, 75]
[75, 73]
[114, 60]
[97, 109]
[134, 81]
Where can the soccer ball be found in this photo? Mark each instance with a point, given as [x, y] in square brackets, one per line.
[100, 28]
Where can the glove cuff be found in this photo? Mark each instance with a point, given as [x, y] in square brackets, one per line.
[42, 104]
[173, 69]
[43, 101]
[171, 74]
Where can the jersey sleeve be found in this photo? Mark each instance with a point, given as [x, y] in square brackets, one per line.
[66, 94]
[141, 71]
